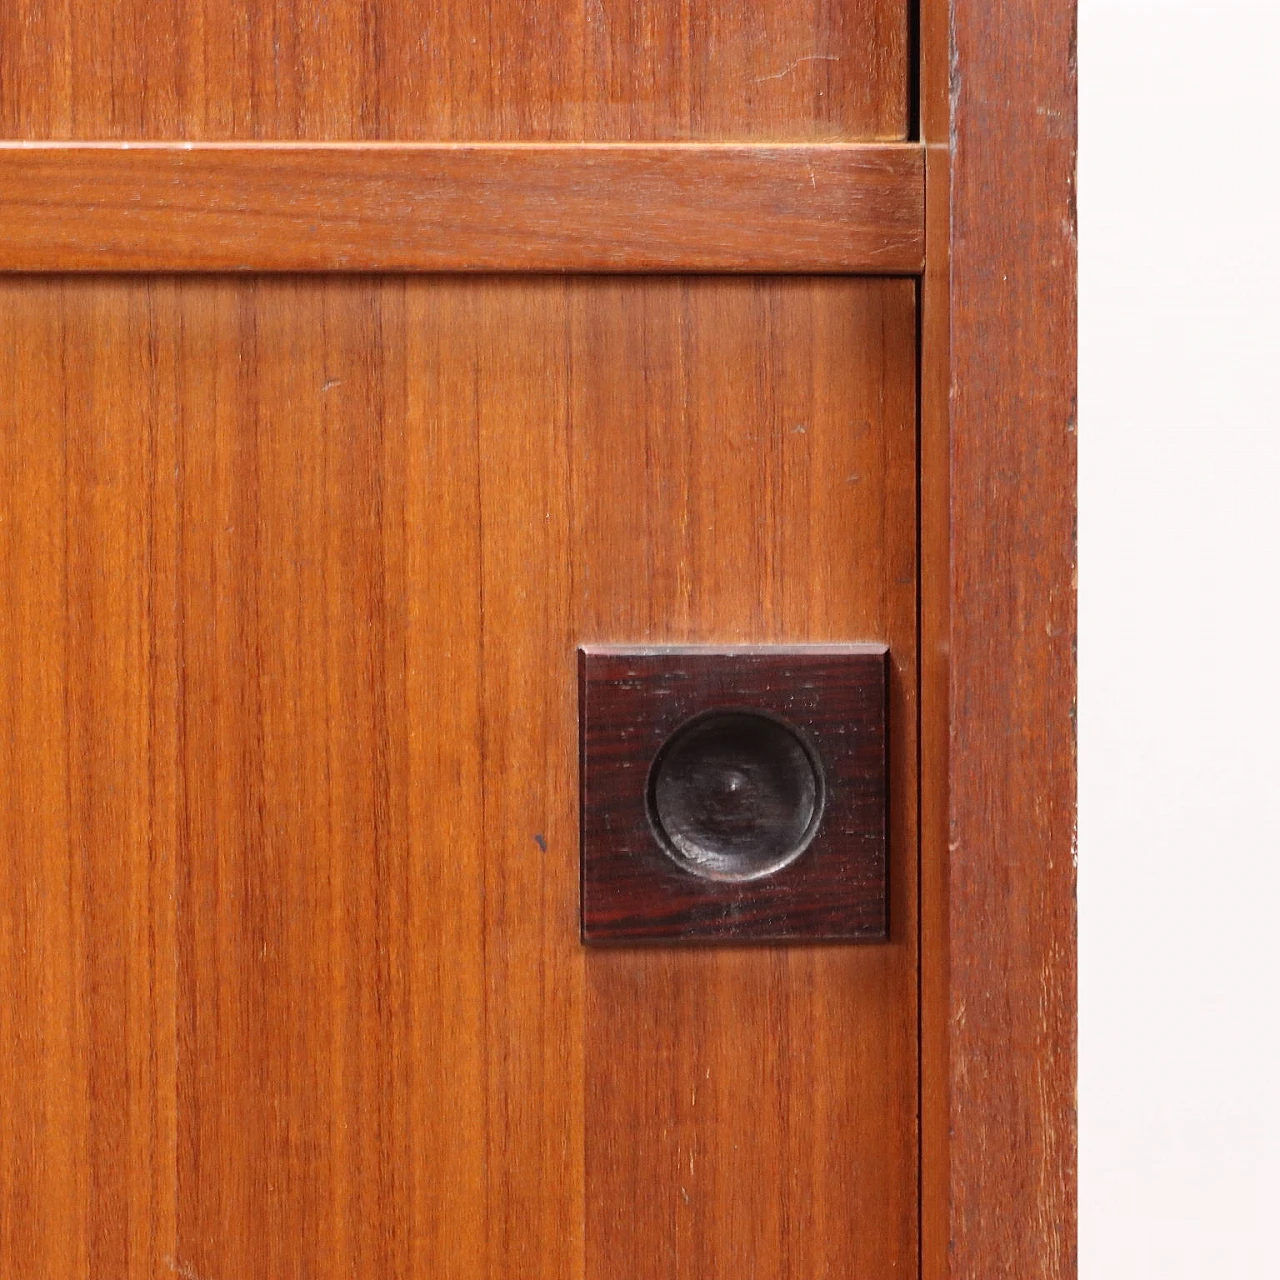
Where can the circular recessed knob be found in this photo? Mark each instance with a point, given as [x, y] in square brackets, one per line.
[735, 795]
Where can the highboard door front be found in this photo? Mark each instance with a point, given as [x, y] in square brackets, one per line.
[458, 546]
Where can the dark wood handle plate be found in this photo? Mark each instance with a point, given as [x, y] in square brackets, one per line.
[734, 795]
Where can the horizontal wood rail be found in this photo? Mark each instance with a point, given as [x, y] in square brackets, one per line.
[623, 207]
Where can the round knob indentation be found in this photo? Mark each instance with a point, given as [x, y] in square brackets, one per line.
[735, 795]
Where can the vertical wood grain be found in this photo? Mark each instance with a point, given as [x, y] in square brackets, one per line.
[935, 643]
[555, 70]
[294, 572]
[528, 732]
[446, 1049]
[42, 1227]
[745, 474]
[998, 585]
[89, 794]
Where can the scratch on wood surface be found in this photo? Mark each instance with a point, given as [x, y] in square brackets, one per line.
[183, 1269]
[808, 57]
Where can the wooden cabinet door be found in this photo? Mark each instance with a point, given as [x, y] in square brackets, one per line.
[317, 464]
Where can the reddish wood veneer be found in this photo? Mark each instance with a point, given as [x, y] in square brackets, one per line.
[461, 207]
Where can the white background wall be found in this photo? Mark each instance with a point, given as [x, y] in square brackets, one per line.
[1179, 644]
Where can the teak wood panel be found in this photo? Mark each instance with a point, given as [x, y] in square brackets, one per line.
[555, 70]
[998, 539]
[1000, 1024]
[446, 207]
[293, 573]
